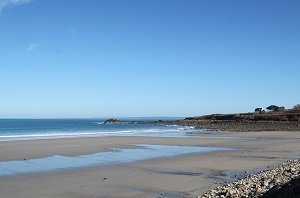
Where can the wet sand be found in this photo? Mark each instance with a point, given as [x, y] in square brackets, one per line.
[180, 176]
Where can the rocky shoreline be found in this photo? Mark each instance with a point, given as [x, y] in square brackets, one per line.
[222, 125]
[281, 181]
[240, 126]
[286, 120]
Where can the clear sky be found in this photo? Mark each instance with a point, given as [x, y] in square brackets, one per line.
[115, 58]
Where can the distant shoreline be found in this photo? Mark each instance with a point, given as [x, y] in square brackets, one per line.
[239, 126]
[226, 125]
[286, 120]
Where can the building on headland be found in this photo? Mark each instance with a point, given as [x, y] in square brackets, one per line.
[259, 110]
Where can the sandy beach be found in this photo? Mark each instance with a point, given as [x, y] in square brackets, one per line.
[188, 175]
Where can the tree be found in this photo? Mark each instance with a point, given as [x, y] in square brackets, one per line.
[272, 108]
[275, 108]
[297, 106]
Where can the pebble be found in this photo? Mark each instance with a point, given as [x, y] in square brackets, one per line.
[256, 185]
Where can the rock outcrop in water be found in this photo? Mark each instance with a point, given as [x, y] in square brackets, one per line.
[113, 121]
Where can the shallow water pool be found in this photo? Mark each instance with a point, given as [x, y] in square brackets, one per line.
[141, 152]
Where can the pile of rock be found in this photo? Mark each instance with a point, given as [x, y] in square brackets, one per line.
[267, 183]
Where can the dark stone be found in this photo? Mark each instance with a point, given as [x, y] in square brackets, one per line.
[289, 190]
[112, 121]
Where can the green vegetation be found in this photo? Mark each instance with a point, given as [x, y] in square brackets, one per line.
[275, 108]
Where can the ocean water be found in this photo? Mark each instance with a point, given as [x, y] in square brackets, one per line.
[28, 129]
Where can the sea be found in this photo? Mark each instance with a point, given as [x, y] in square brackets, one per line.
[30, 129]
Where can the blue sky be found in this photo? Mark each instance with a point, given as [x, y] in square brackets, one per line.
[115, 58]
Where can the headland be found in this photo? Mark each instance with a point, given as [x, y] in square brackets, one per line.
[284, 120]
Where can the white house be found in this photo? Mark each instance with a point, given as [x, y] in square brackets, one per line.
[258, 110]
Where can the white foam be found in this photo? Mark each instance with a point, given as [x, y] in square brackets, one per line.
[98, 122]
[155, 131]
